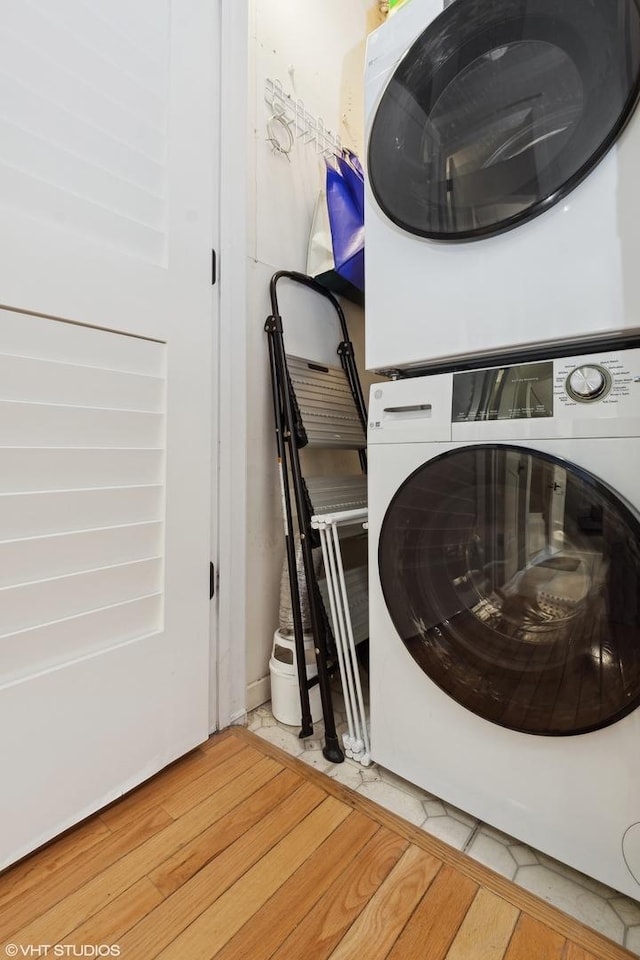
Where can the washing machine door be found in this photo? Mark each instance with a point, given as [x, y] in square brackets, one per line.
[499, 109]
[513, 580]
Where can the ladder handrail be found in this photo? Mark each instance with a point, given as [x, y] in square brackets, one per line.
[345, 349]
[306, 281]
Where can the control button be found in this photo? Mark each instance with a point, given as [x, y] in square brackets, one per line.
[588, 383]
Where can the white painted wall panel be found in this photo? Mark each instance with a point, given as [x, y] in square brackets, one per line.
[41, 381]
[40, 558]
[25, 335]
[77, 637]
[27, 59]
[75, 44]
[143, 24]
[41, 424]
[44, 601]
[57, 75]
[24, 468]
[82, 490]
[37, 514]
[51, 204]
[33, 155]
[107, 32]
[35, 112]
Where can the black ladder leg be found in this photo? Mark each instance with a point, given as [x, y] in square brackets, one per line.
[306, 723]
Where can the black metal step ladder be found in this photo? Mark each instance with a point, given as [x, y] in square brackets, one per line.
[315, 405]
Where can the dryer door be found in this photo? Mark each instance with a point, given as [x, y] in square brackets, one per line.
[513, 579]
[499, 109]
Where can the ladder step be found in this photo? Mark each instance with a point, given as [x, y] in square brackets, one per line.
[325, 405]
[336, 493]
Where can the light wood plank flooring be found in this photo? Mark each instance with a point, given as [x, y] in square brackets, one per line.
[240, 852]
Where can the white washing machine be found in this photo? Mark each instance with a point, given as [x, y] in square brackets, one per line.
[504, 530]
[503, 193]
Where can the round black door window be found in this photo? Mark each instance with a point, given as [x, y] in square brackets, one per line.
[499, 109]
[513, 579]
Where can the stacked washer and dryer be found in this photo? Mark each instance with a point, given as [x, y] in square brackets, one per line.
[503, 296]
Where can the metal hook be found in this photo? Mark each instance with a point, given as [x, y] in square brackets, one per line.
[275, 124]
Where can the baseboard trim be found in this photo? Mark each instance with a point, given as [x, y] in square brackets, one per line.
[258, 693]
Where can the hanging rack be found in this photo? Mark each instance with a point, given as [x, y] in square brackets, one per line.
[302, 124]
[356, 739]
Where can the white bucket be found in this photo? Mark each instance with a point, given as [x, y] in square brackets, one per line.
[285, 695]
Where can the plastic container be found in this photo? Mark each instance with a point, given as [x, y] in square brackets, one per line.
[285, 696]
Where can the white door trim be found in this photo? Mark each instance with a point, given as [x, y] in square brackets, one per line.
[229, 513]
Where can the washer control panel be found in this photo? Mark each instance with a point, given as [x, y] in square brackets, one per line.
[588, 383]
[567, 386]
[605, 378]
[587, 395]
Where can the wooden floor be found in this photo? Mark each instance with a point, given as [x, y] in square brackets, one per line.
[241, 852]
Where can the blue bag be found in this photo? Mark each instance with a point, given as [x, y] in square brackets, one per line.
[345, 202]
[335, 257]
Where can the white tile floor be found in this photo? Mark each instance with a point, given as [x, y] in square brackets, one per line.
[597, 906]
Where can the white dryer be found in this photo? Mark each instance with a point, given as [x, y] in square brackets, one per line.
[504, 519]
[503, 194]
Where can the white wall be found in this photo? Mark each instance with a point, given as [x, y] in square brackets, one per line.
[316, 49]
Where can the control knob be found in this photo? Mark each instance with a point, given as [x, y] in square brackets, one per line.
[588, 383]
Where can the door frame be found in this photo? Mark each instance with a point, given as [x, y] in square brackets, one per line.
[229, 442]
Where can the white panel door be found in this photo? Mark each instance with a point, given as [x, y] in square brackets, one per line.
[108, 159]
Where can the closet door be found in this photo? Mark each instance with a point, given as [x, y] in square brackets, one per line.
[108, 152]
